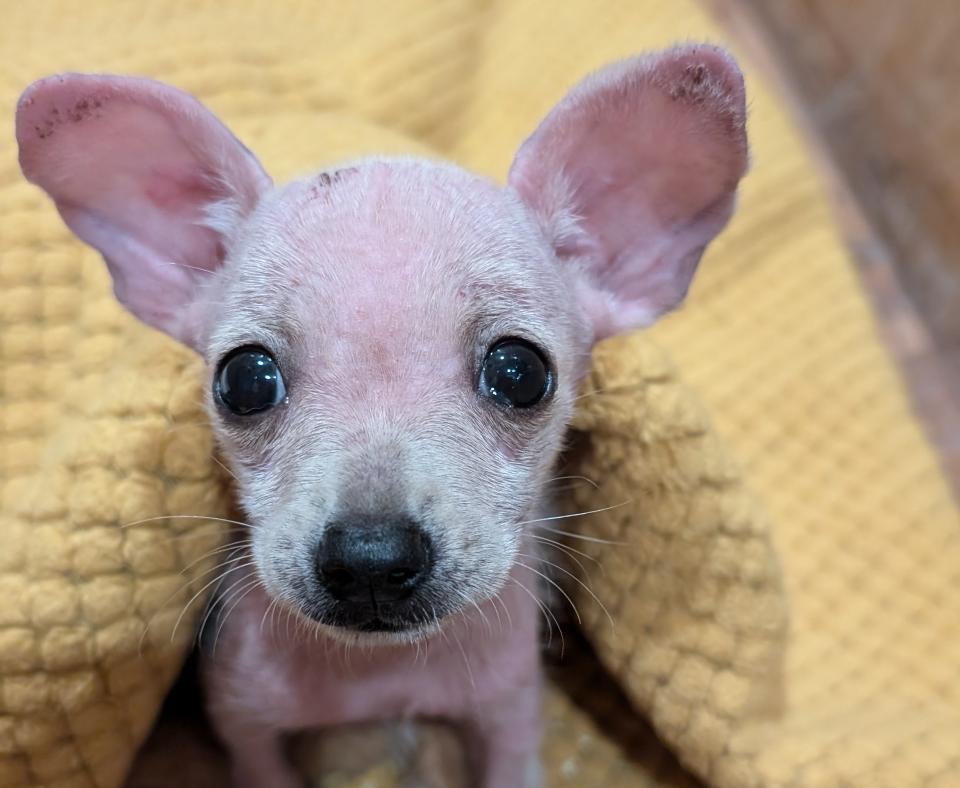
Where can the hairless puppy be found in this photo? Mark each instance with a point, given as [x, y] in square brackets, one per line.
[394, 348]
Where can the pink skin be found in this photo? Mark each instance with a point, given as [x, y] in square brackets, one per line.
[379, 287]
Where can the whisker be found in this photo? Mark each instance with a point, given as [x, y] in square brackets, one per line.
[416, 658]
[483, 616]
[569, 552]
[211, 607]
[191, 267]
[566, 548]
[212, 604]
[563, 488]
[158, 518]
[497, 611]
[556, 585]
[166, 538]
[583, 537]
[303, 627]
[436, 621]
[163, 605]
[498, 598]
[589, 394]
[574, 514]
[273, 616]
[222, 465]
[466, 661]
[580, 478]
[230, 546]
[268, 611]
[247, 589]
[196, 596]
[585, 588]
[547, 613]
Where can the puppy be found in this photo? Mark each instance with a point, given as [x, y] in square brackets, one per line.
[394, 350]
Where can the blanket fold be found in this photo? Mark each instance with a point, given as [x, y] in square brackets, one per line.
[835, 508]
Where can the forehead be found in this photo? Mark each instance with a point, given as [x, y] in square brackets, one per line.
[390, 249]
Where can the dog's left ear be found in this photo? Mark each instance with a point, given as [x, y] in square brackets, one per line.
[148, 176]
[634, 173]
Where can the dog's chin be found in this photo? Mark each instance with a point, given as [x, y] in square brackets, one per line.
[377, 632]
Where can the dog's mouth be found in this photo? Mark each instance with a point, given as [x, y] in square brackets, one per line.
[406, 621]
[378, 629]
[379, 625]
[374, 621]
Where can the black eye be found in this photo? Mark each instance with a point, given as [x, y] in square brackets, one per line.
[249, 381]
[515, 374]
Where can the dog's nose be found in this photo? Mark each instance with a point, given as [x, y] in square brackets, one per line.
[364, 561]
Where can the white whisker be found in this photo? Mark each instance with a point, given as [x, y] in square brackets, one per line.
[269, 609]
[574, 514]
[583, 537]
[585, 588]
[234, 546]
[222, 465]
[580, 478]
[158, 518]
[196, 596]
[547, 615]
[466, 662]
[569, 552]
[555, 585]
[175, 264]
[247, 588]
[163, 605]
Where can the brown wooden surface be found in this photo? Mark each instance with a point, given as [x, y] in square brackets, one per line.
[880, 79]
[876, 85]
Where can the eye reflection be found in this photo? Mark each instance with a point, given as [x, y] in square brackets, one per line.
[249, 381]
[515, 374]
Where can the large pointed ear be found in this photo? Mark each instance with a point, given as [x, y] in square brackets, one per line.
[634, 173]
[146, 175]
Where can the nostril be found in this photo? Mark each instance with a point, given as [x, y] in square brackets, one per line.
[337, 575]
[402, 577]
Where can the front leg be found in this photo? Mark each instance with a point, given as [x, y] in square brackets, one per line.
[257, 757]
[241, 681]
[503, 741]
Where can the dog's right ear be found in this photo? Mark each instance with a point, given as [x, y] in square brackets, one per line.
[634, 173]
[148, 176]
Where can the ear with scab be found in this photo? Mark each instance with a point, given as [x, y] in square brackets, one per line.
[634, 173]
[145, 174]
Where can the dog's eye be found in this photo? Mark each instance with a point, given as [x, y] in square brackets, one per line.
[249, 381]
[515, 374]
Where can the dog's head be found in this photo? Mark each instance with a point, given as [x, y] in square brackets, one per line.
[394, 347]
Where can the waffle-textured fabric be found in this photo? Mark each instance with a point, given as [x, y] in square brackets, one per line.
[101, 427]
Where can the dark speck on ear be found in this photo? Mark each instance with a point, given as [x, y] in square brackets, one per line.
[45, 130]
[81, 110]
[84, 108]
[696, 85]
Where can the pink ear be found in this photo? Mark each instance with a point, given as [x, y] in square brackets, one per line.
[634, 173]
[135, 168]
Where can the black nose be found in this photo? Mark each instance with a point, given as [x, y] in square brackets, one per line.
[373, 561]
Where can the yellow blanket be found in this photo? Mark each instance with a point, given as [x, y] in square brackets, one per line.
[100, 425]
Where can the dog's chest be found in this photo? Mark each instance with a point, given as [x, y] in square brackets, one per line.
[288, 678]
